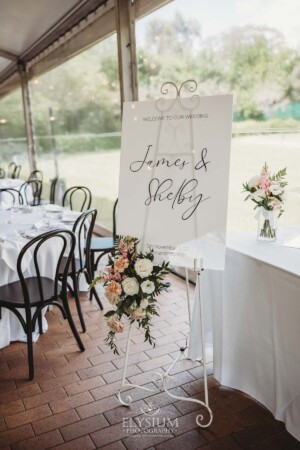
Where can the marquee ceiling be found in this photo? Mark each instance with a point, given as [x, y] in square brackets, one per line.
[28, 27]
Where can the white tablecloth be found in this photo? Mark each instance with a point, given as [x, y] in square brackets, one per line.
[252, 318]
[12, 223]
[14, 183]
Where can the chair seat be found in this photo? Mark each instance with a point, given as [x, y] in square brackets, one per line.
[12, 292]
[101, 244]
[63, 265]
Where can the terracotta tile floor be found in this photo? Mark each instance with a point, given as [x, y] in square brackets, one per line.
[72, 403]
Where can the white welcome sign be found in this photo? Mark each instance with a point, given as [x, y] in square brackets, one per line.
[174, 175]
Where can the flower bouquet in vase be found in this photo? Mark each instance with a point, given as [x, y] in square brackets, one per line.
[266, 190]
[132, 284]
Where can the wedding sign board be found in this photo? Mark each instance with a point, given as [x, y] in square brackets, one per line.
[174, 175]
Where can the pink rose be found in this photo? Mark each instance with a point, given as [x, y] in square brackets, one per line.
[125, 246]
[112, 275]
[264, 182]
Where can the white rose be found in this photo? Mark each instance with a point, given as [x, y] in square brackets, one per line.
[258, 195]
[144, 303]
[275, 188]
[130, 286]
[253, 182]
[148, 287]
[143, 267]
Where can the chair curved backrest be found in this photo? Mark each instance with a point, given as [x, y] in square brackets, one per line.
[32, 189]
[12, 195]
[11, 168]
[81, 194]
[53, 190]
[37, 246]
[36, 175]
[2, 173]
[83, 229]
[16, 172]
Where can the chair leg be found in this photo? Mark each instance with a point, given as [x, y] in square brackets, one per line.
[29, 345]
[77, 301]
[70, 289]
[93, 290]
[71, 323]
[92, 267]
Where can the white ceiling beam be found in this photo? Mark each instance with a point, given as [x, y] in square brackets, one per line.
[144, 7]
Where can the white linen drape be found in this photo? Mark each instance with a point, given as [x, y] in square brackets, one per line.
[252, 317]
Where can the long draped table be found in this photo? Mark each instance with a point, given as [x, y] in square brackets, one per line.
[252, 312]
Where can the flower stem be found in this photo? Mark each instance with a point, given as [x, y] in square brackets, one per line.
[267, 231]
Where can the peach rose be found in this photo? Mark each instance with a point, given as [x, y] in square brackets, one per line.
[113, 291]
[138, 314]
[275, 203]
[121, 264]
[115, 324]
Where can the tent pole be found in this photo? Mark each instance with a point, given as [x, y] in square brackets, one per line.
[125, 25]
[27, 115]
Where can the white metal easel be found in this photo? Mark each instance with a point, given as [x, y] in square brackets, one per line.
[163, 377]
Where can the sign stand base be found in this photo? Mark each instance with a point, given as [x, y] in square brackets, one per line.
[163, 377]
[128, 399]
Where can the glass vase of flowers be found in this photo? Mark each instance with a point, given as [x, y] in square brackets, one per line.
[266, 190]
[132, 284]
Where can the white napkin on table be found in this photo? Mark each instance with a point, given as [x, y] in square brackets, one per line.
[9, 252]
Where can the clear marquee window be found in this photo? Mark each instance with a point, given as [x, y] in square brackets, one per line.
[249, 49]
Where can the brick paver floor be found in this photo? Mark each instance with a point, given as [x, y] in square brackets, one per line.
[72, 402]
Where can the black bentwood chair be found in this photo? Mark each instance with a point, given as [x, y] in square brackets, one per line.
[36, 175]
[11, 168]
[16, 172]
[32, 191]
[53, 184]
[13, 195]
[2, 173]
[83, 229]
[79, 195]
[38, 291]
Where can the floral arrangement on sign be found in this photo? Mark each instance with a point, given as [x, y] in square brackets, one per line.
[132, 284]
[267, 190]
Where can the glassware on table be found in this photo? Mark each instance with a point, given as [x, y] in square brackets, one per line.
[267, 226]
